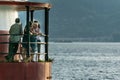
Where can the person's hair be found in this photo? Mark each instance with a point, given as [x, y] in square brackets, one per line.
[17, 20]
[30, 23]
[35, 23]
[38, 23]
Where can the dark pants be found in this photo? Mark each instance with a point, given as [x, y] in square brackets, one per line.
[25, 44]
[13, 47]
[33, 45]
[39, 45]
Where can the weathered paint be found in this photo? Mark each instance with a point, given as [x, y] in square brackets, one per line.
[25, 71]
[4, 38]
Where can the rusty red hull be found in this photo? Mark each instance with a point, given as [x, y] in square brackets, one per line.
[25, 71]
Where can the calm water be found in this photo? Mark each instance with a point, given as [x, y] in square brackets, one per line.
[85, 61]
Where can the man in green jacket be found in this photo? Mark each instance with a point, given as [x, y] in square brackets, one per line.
[15, 37]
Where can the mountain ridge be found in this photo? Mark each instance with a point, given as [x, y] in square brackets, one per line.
[84, 19]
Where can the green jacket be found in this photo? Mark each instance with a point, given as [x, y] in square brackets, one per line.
[15, 31]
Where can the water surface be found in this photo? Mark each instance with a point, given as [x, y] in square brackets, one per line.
[85, 61]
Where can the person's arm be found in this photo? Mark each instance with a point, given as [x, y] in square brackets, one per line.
[41, 34]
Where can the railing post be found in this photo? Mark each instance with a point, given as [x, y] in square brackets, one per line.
[28, 28]
[32, 15]
[46, 32]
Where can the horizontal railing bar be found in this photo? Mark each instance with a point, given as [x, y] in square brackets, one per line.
[2, 53]
[7, 53]
[22, 34]
[21, 53]
[23, 42]
[37, 53]
[35, 42]
[10, 34]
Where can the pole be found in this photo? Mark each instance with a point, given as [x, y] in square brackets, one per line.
[32, 15]
[28, 28]
[46, 32]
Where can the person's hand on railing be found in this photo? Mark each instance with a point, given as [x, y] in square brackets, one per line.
[43, 34]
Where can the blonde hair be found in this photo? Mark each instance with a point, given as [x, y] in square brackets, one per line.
[34, 24]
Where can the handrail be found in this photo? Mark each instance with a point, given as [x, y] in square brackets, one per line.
[24, 34]
[21, 53]
[23, 42]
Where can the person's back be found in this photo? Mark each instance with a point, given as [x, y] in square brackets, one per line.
[15, 31]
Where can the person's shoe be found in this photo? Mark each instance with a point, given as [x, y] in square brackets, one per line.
[9, 59]
[32, 61]
[6, 57]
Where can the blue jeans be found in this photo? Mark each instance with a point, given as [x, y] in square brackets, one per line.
[38, 46]
[33, 45]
